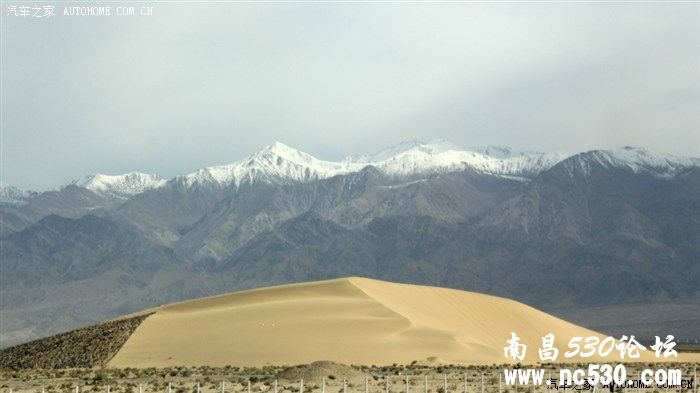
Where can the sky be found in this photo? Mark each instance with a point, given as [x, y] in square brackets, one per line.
[200, 84]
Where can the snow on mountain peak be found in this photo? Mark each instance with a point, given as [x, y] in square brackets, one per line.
[122, 186]
[636, 160]
[273, 163]
[440, 155]
[501, 151]
[494, 151]
[641, 160]
[278, 150]
[13, 195]
[426, 160]
[432, 147]
[278, 163]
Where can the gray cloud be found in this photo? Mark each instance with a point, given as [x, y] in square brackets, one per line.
[207, 83]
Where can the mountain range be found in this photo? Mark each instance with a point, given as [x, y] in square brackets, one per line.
[590, 236]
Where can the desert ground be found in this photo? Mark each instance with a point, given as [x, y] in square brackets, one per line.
[316, 377]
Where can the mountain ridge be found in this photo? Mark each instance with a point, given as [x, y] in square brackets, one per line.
[278, 162]
[120, 186]
[624, 216]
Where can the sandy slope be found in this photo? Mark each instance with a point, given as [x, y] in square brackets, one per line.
[351, 320]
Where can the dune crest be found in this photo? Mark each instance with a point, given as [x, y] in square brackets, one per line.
[349, 320]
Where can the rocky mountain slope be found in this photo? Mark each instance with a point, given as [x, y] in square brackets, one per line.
[88, 347]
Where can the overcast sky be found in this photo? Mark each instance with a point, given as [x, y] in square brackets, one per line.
[199, 84]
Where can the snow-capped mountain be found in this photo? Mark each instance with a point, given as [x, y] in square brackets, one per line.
[637, 160]
[13, 195]
[415, 157]
[273, 163]
[501, 151]
[435, 146]
[641, 160]
[120, 186]
[279, 163]
[421, 160]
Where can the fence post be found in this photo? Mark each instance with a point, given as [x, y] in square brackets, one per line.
[323, 385]
[499, 382]
[407, 388]
[639, 383]
[425, 383]
[465, 383]
[249, 386]
[345, 385]
[386, 383]
[170, 389]
[141, 389]
[482, 382]
[444, 384]
[366, 384]
[223, 386]
[275, 386]
[301, 386]
[198, 391]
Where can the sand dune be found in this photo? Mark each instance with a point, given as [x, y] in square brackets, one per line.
[350, 320]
